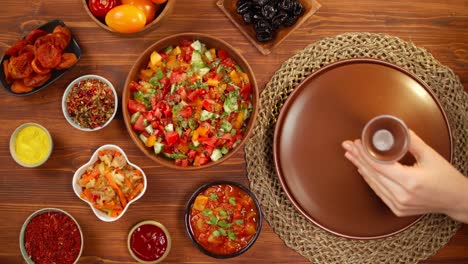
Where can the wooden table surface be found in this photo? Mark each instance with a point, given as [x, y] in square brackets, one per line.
[441, 27]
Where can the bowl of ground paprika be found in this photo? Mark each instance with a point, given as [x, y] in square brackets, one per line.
[51, 235]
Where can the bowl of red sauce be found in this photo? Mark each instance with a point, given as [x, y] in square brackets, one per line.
[51, 235]
[149, 242]
[223, 219]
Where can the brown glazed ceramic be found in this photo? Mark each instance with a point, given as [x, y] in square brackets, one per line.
[229, 7]
[385, 138]
[142, 62]
[162, 10]
[330, 106]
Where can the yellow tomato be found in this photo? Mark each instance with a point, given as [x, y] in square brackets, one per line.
[126, 19]
[144, 5]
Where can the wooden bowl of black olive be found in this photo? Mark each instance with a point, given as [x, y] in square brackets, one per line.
[266, 23]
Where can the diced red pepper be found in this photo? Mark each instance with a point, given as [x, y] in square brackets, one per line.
[181, 162]
[228, 63]
[245, 91]
[186, 112]
[172, 138]
[134, 86]
[176, 77]
[185, 42]
[134, 106]
[163, 55]
[211, 141]
[200, 159]
[191, 154]
[139, 124]
[222, 54]
[187, 53]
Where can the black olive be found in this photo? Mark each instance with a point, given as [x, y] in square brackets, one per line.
[256, 16]
[297, 9]
[278, 19]
[290, 20]
[286, 5]
[248, 18]
[262, 25]
[244, 7]
[264, 36]
[260, 2]
[268, 11]
[240, 2]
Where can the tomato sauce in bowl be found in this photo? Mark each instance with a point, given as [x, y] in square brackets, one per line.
[149, 242]
[223, 219]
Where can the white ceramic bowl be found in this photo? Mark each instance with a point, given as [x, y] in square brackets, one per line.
[38, 212]
[77, 188]
[67, 91]
[13, 145]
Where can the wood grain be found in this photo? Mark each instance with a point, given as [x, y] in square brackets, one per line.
[441, 27]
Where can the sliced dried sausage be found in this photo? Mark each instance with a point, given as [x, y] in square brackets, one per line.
[20, 66]
[38, 68]
[15, 49]
[18, 86]
[35, 34]
[48, 55]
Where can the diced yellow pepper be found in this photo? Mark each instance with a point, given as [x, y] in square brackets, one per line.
[239, 120]
[235, 78]
[212, 82]
[150, 141]
[213, 53]
[155, 58]
[176, 51]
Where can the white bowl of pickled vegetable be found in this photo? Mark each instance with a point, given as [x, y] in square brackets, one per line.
[89, 103]
[190, 101]
[109, 183]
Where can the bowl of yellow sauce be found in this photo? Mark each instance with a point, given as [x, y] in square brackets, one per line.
[31, 145]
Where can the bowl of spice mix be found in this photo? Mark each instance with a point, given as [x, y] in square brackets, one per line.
[31, 145]
[89, 103]
[51, 235]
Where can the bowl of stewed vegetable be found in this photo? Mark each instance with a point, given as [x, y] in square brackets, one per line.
[109, 183]
[223, 219]
[190, 101]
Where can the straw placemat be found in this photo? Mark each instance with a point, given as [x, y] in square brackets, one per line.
[410, 246]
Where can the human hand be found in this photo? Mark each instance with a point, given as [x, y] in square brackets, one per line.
[431, 185]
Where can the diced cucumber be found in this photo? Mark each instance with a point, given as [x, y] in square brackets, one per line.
[169, 128]
[158, 147]
[208, 55]
[196, 57]
[159, 75]
[149, 129]
[224, 150]
[179, 131]
[197, 45]
[192, 124]
[233, 132]
[230, 104]
[205, 115]
[216, 155]
[173, 88]
[195, 143]
[143, 138]
[203, 71]
[134, 117]
[238, 68]
[226, 126]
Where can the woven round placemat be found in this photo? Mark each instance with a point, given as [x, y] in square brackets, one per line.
[410, 246]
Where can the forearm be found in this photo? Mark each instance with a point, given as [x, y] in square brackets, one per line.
[459, 208]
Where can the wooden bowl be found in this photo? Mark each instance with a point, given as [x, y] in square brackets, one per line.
[211, 42]
[163, 12]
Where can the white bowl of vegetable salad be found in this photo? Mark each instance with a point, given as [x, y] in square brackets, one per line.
[190, 101]
[109, 183]
[89, 103]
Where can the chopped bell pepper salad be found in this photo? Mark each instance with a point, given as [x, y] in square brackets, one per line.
[191, 104]
[223, 219]
[110, 183]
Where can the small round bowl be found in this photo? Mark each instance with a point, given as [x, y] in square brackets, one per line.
[166, 233]
[67, 91]
[189, 231]
[24, 253]
[162, 10]
[211, 42]
[77, 188]
[13, 146]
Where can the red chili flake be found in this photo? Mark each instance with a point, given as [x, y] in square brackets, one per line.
[52, 237]
[90, 103]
